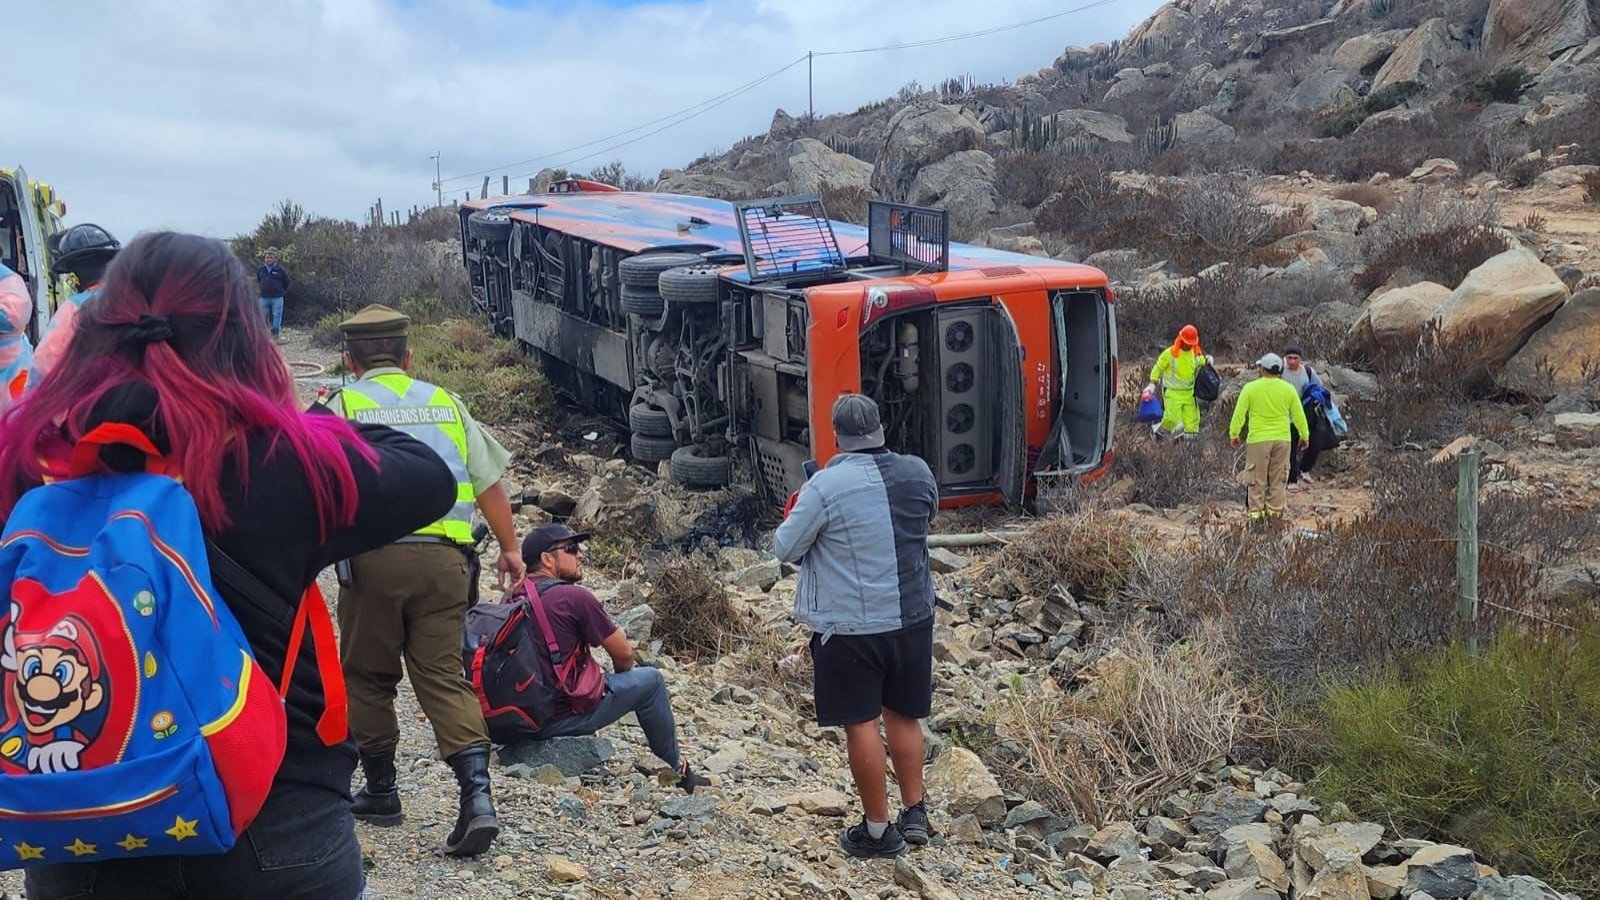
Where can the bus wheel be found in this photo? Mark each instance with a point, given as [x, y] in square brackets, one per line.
[694, 466]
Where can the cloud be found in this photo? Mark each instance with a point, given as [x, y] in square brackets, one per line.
[201, 114]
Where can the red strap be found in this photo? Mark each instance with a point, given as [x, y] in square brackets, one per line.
[334, 724]
[86, 453]
[537, 602]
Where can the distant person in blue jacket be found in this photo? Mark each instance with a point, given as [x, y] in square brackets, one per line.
[274, 281]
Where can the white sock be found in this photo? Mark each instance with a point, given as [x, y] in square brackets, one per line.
[875, 830]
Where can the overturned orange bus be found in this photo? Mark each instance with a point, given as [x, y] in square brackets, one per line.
[721, 333]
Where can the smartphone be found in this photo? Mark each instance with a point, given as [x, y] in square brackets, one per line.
[810, 467]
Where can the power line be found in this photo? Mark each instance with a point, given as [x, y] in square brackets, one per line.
[966, 35]
[673, 119]
[695, 108]
[749, 87]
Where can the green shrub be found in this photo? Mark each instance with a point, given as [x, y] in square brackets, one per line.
[1391, 95]
[498, 384]
[1496, 752]
[1501, 86]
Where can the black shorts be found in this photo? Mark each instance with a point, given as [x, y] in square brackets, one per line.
[859, 675]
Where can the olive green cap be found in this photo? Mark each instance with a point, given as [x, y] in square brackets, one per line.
[375, 321]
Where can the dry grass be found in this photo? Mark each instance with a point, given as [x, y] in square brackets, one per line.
[770, 661]
[1152, 715]
[694, 617]
[1089, 552]
[1366, 195]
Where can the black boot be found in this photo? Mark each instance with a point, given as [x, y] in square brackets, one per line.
[476, 826]
[379, 802]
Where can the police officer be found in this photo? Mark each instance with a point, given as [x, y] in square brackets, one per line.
[409, 599]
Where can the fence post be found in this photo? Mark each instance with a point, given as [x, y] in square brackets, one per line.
[1467, 545]
[505, 185]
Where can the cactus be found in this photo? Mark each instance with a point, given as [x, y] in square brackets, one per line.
[1160, 137]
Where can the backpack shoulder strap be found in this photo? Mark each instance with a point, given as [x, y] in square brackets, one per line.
[536, 602]
[333, 725]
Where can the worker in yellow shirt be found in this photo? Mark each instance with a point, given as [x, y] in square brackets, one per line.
[1267, 408]
[1176, 370]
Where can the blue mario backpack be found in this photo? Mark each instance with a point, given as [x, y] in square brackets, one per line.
[134, 720]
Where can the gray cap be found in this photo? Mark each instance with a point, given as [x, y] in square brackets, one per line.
[856, 425]
[1272, 362]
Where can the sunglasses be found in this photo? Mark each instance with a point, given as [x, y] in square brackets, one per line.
[570, 549]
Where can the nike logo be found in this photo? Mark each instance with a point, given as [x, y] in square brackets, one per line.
[519, 688]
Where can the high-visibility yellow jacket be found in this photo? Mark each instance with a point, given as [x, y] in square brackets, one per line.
[1177, 373]
[429, 414]
[1269, 406]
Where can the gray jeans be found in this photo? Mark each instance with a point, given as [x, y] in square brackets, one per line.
[641, 691]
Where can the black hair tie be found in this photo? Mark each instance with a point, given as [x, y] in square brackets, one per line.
[148, 330]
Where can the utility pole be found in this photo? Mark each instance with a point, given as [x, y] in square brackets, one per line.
[438, 186]
[811, 94]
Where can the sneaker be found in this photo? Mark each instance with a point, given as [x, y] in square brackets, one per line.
[913, 823]
[689, 779]
[858, 842]
[1306, 477]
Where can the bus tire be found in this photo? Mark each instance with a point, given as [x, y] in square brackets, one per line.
[649, 421]
[648, 449]
[489, 225]
[691, 284]
[643, 270]
[642, 302]
[694, 466]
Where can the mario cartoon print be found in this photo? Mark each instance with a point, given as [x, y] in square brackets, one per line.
[58, 694]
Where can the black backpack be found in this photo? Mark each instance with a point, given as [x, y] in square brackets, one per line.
[517, 670]
[1207, 384]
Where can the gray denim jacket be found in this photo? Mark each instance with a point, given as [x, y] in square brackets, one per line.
[859, 530]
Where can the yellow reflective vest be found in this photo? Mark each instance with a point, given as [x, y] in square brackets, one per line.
[429, 414]
[1177, 373]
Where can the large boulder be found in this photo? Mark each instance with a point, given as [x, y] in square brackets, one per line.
[1344, 216]
[1125, 84]
[1424, 50]
[1199, 128]
[1395, 320]
[1564, 353]
[1501, 304]
[919, 135]
[960, 181]
[1320, 91]
[1089, 123]
[1165, 27]
[704, 184]
[1442, 871]
[814, 165]
[959, 776]
[1366, 53]
[1532, 31]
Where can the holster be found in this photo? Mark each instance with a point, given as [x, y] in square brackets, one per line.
[474, 570]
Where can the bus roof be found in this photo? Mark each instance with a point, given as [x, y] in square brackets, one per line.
[639, 221]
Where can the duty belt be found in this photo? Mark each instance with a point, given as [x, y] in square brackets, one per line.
[428, 539]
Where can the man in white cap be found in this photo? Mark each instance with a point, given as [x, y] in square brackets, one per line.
[866, 591]
[1267, 408]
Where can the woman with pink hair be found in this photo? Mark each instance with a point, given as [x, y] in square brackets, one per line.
[175, 345]
[16, 355]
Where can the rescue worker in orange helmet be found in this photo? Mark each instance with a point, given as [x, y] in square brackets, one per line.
[16, 354]
[1175, 371]
[83, 251]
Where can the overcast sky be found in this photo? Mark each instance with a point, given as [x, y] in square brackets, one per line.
[201, 114]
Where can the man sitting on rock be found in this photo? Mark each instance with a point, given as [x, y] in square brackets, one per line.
[555, 558]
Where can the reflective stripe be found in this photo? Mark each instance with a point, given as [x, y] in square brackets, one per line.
[430, 415]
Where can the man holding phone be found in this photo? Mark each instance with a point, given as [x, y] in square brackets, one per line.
[859, 530]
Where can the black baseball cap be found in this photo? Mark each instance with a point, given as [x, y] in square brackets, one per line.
[856, 424]
[541, 539]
